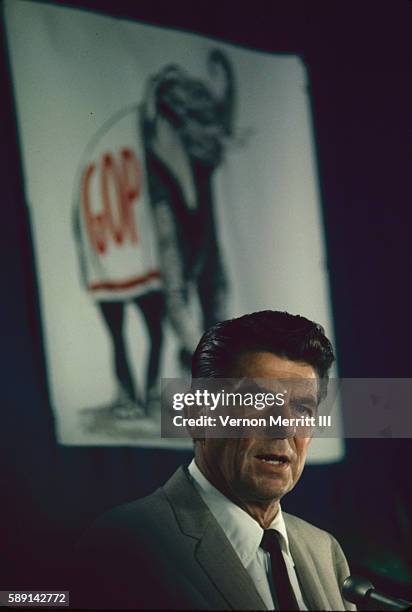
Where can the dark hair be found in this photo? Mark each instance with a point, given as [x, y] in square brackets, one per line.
[281, 333]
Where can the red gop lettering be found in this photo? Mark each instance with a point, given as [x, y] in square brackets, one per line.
[113, 186]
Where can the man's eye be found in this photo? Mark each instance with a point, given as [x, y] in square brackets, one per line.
[303, 410]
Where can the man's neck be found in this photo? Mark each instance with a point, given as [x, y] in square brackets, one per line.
[263, 512]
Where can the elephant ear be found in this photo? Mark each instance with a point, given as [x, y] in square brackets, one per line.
[150, 100]
[148, 103]
[217, 60]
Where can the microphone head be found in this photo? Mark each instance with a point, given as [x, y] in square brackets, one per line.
[355, 589]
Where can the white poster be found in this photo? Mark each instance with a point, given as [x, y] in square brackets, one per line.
[171, 183]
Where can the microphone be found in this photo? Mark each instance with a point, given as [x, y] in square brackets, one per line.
[362, 593]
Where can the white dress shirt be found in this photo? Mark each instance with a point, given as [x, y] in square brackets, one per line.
[245, 535]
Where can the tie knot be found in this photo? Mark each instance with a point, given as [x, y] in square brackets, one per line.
[270, 540]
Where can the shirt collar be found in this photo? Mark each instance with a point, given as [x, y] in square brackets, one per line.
[242, 531]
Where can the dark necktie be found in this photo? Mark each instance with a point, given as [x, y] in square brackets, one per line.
[283, 589]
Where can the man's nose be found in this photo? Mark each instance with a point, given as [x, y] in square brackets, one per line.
[281, 422]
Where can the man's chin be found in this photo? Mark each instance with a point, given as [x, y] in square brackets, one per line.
[265, 493]
[272, 494]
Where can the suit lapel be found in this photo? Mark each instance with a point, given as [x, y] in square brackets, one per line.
[214, 553]
[219, 560]
[308, 577]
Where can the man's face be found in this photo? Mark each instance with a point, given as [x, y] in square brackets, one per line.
[240, 467]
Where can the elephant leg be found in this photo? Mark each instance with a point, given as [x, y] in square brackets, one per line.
[212, 290]
[113, 316]
[152, 306]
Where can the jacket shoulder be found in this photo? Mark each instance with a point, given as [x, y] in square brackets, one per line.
[142, 510]
[126, 555]
[132, 525]
[305, 529]
[317, 540]
[313, 536]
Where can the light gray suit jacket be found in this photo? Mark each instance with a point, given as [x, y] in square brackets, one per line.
[168, 551]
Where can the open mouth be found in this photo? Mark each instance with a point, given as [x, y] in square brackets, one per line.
[273, 459]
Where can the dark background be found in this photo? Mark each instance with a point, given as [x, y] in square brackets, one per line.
[359, 61]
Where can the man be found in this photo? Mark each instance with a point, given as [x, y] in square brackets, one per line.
[214, 536]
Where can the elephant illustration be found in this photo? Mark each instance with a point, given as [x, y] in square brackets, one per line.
[186, 125]
[145, 226]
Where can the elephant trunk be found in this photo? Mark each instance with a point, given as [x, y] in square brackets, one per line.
[226, 102]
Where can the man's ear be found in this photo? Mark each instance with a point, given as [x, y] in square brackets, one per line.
[198, 441]
[195, 430]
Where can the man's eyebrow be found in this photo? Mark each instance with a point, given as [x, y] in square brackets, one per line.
[305, 399]
[254, 387]
[248, 385]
